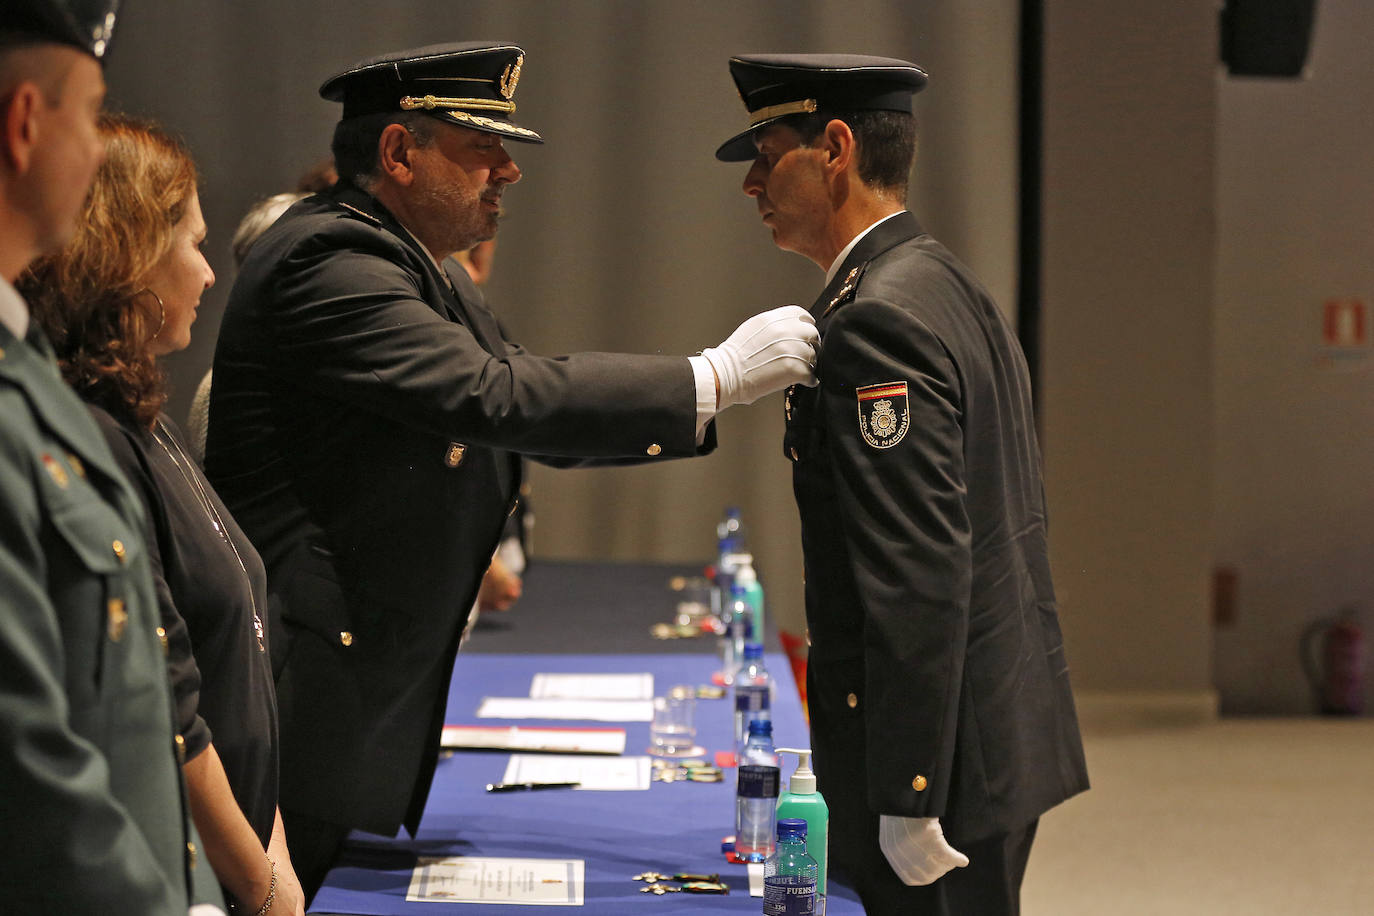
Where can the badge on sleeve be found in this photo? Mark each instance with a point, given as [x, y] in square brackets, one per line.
[884, 414]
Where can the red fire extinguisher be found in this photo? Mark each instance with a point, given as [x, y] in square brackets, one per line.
[1333, 659]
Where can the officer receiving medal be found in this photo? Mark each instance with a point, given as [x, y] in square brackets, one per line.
[941, 717]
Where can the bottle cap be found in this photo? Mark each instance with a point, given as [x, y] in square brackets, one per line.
[744, 570]
[761, 727]
[803, 780]
[753, 650]
[791, 827]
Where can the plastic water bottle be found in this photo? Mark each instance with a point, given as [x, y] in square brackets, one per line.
[753, 696]
[789, 874]
[748, 581]
[735, 622]
[756, 795]
[731, 527]
[729, 544]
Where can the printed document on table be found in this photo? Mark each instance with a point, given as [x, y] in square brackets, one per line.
[603, 774]
[474, 879]
[592, 687]
[594, 710]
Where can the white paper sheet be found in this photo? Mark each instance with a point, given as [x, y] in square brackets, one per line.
[535, 738]
[473, 879]
[593, 710]
[602, 774]
[592, 687]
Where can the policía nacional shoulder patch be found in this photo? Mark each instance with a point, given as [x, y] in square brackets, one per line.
[884, 413]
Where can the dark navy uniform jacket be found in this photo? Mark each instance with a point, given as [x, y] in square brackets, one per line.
[365, 421]
[937, 680]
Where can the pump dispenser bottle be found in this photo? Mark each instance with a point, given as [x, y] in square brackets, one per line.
[802, 800]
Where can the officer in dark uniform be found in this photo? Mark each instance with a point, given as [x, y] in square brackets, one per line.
[92, 817]
[941, 716]
[367, 416]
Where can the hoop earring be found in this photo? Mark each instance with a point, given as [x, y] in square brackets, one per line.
[161, 312]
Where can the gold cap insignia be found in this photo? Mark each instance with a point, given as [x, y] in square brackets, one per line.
[510, 76]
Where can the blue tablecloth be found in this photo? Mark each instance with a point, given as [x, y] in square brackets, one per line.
[672, 827]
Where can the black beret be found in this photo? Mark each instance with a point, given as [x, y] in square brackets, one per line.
[468, 83]
[85, 24]
[774, 86]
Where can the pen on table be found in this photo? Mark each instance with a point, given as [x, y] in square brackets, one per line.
[529, 786]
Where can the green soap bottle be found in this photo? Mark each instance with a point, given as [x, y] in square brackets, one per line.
[802, 800]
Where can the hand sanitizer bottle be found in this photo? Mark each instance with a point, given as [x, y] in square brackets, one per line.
[802, 800]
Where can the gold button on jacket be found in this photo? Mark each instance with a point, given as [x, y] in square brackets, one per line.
[919, 783]
[654, 450]
[852, 700]
[346, 638]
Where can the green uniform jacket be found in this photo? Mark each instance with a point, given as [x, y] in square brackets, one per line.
[92, 813]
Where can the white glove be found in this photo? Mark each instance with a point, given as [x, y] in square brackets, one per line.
[916, 849]
[767, 353]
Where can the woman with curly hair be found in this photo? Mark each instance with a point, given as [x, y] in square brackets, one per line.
[121, 294]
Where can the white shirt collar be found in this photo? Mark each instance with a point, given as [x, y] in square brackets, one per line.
[844, 253]
[14, 311]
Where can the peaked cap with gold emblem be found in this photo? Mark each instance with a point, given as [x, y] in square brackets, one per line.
[774, 86]
[471, 84]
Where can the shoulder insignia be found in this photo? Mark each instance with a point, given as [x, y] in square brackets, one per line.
[884, 413]
[364, 214]
[847, 289]
[55, 470]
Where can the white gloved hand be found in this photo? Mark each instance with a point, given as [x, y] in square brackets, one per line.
[916, 849]
[767, 353]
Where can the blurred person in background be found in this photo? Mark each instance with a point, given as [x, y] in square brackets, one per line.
[259, 216]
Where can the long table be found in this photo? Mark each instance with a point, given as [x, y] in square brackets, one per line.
[672, 827]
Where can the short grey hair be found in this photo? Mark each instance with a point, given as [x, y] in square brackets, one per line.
[255, 222]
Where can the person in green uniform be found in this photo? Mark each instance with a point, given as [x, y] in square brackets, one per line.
[92, 818]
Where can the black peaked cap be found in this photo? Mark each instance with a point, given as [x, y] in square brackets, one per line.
[773, 86]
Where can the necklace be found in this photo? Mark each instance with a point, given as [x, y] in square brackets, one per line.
[182, 461]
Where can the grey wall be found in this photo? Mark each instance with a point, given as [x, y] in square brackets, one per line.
[1193, 226]
[625, 233]
[1126, 402]
[1294, 502]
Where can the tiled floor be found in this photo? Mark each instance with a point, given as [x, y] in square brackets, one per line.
[1247, 816]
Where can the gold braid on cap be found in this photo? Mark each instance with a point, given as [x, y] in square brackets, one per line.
[777, 111]
[429, 102]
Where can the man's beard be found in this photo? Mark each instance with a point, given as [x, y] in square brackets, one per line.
[457, 221]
